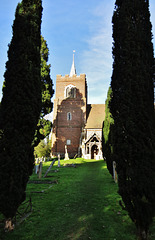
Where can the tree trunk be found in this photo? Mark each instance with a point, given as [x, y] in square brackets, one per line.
[143, 234]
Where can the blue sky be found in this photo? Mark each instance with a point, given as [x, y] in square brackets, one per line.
[83, 25]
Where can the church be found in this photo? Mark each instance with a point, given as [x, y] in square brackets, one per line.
[77, 125]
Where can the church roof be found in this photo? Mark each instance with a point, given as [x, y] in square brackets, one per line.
[73, 69]
[96, 116]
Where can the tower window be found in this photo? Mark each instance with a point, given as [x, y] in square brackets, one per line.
[69, 116]
[70, 91]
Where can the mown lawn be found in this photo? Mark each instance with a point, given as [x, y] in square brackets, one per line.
[83, 205]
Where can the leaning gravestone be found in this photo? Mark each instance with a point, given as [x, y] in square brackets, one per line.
[49, 168]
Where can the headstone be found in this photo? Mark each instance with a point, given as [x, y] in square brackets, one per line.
[36, 169]
[66, 154]
[114, 171]
[49, 168]
[40, 170]
[58, 159]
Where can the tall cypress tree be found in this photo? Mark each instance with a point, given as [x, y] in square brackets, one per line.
[132, 107]
[107, 134]
[20, 106]
[44, 126]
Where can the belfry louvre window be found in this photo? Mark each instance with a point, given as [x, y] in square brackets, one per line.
[69, 116]
[70, 92]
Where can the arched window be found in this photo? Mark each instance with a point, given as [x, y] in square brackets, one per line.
[69, 116]
[70, 91]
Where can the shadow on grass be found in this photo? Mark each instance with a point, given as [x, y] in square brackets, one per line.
[98, 213]
[83, 205]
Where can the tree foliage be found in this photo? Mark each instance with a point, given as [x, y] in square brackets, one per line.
[107, 134]
[20, 106]
[44, 126]
[132, 107]
[43, 149]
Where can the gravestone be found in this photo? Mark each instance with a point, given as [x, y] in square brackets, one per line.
[40, 170]
[49, 168]
[66, 154]
[58, 159]
[36, 169]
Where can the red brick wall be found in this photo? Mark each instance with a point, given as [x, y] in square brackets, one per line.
[64, 129]
[72, 134]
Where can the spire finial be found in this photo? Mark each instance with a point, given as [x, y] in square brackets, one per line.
[73, 69]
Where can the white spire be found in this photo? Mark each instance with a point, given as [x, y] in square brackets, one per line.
[73, 69]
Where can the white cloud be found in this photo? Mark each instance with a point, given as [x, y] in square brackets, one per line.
[97, 60]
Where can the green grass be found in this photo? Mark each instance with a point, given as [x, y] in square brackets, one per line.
[83, 205]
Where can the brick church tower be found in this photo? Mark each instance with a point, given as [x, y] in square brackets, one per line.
[69, 115]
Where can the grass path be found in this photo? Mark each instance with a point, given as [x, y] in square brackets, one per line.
[83, 205]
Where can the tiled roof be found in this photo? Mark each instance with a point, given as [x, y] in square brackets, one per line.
[96, 116]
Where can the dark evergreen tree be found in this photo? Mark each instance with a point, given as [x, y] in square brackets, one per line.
[132, 107]
[44, 126]
[107, 134]
[20, 106]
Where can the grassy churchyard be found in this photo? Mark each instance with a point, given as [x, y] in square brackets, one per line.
[73, 204]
